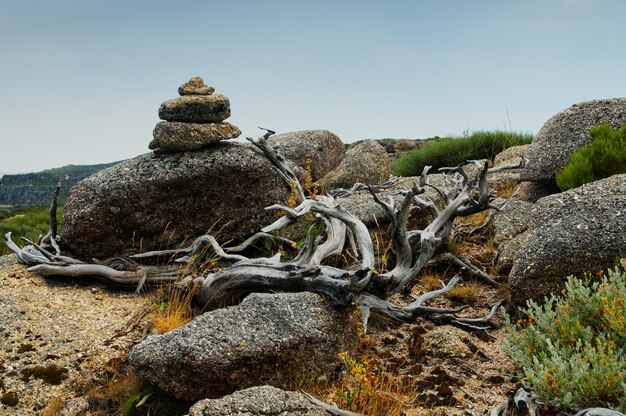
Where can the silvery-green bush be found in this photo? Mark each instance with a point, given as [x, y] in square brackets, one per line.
[572, 349]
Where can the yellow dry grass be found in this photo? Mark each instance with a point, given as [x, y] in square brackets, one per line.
[431, 281]
[54, 407]
[172, 308]
[506, 190]
[465, 293]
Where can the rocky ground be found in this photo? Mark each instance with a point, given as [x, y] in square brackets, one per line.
[59, 335]
[56, 332]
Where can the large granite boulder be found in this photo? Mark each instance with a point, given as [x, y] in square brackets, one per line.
[567, 131]
[156, 200]
[256, 401]
[366, 162]
[322, 150]
[579, 231]
[268, 339]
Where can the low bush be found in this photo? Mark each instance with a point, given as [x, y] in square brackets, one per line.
[572, 350]
[452, 151]
[604, 157]
[27, 222]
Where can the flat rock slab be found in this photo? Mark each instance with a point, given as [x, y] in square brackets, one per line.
[157, 200]
[172, 136]
[256, 401]
[268, 339]
[196, 109]
[579, 231]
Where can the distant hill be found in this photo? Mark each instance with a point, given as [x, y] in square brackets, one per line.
[37, 188]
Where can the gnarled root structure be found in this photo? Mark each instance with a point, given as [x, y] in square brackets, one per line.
[333, 228]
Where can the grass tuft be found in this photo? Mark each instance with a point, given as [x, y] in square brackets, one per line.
[172, 308]
[452, 151]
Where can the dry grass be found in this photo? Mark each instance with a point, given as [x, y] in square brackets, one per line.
[108, 395]
[54, 407]
[172, 308]
[466, 293]
[472, 221]
[506, 190]
[431, 281]
[368, 387]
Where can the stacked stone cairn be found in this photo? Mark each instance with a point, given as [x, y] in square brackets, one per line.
[193, 120]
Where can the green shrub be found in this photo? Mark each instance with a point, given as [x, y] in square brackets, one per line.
[452, 151]
[572, 350]
[605, 156]
[27, 222]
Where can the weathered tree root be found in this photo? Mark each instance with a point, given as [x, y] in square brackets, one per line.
[524, 403]
[357, 283]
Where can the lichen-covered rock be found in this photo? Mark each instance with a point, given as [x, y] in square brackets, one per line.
[509, 252]
[366, 162]
[196, 109]
[511, 154]
[195, 86]
[579, 231]
[178, 137]
[511, 221]
[446, 341]
[322, 148]
[256, 401]
[157, 200]
[268, 339]
[567, 131]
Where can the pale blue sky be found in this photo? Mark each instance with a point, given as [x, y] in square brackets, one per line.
[81, 81]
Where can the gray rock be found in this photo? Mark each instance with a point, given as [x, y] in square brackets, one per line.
[157, 200]
[396, 148]
[579, 231]
[257, 401]
[365, 163]
[567, 131]
[268, 339]
[324, 149]
[508, 252]
[196, 109]
[195, 86]
[534, 191]
[511, 154]
[508, 224]
[446, 341]
[178, 137]
[511, 221]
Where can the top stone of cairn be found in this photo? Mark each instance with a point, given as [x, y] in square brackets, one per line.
[195, 86]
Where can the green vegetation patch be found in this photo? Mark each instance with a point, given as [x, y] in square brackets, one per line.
[29, 222]
[452, 151]
[604, 157]
[572, 350]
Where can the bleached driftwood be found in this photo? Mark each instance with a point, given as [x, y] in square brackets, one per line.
[332, 230]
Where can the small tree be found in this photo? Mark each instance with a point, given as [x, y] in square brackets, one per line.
[604, 157]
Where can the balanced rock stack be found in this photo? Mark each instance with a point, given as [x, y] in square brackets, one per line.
[193, 120]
